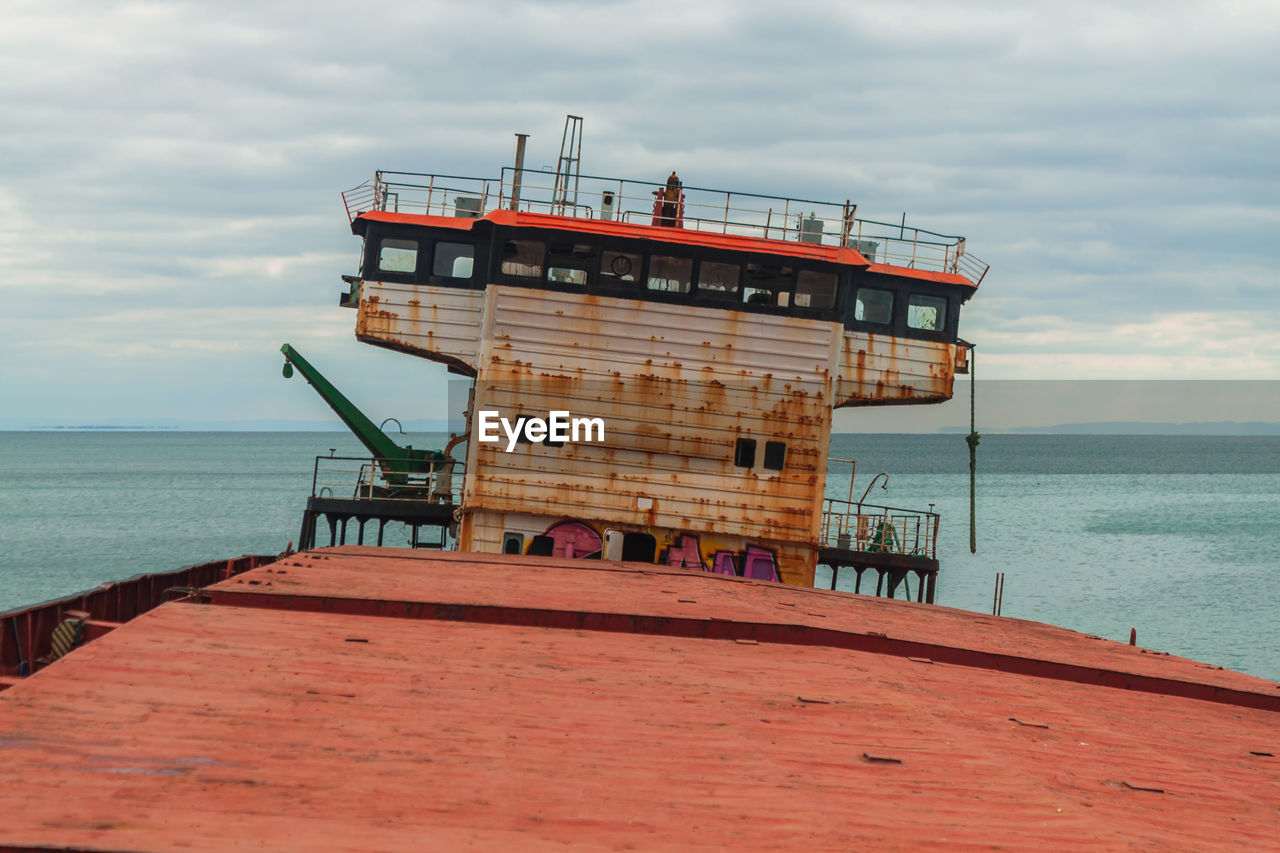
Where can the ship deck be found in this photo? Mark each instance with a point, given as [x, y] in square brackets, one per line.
[375, 699]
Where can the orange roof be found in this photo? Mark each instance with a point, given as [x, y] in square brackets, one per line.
[926, 275]
[461, 223]
[363, 699]
[627, 230]
[729, 242]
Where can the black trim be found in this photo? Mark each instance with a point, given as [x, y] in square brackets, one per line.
[489, 238]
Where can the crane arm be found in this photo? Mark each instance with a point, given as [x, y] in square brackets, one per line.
[364, 429]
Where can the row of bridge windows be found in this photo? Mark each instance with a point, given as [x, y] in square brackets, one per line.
[773, 282]
[753, 282]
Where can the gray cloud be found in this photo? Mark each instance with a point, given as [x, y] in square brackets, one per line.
[169, 172]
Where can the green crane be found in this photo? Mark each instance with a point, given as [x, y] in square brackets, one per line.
[398, 464]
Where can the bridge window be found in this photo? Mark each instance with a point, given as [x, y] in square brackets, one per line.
[621, 266]
[767, 284]
[926, 312]
[454, 260]
[670, 275]
[874, 306]
[721, 280]
[569, 262]
[744, 453]
[815, 289]
[523, 258]
[398, 255]
[567, 275]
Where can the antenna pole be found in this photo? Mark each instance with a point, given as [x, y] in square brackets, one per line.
[521, 138]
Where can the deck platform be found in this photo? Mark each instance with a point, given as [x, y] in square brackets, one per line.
[376, 699]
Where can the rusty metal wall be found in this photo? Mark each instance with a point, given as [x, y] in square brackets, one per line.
[676, 389]
[446, 324]
[440, 323]
[886, 370]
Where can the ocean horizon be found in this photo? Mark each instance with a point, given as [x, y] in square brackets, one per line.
[1200, 428]
[1177, 537]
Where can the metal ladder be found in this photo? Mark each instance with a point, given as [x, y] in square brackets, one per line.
[569, 166]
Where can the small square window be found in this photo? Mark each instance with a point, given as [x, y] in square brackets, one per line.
[928, 313]
[454, 260]
[775, 455]
[567, 275]
[815, 289]
[523, 258]
[744, 453]
[768, 284]
[720, 280]
[398, 255]
[639, 547]
[874, 306]
[568, 262]
[670, 275]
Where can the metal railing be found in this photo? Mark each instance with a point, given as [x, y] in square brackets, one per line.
[377, 478]
[412, 192]
[853, 526]
[703, 209]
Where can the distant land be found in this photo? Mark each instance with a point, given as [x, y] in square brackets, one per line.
[134, 428]
[1225, 428]
[1136, 428]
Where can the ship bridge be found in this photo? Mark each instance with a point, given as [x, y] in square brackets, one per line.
[712, 332]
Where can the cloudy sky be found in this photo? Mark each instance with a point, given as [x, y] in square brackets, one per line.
[170, 172]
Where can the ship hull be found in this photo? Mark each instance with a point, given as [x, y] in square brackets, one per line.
[359, 698]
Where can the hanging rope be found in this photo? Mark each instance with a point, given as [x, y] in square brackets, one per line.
[972, 439]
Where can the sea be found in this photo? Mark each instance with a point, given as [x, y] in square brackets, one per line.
[1176, 537]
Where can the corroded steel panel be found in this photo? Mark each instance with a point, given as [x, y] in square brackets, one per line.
[675, 389]
[885, 370]
[439, 323]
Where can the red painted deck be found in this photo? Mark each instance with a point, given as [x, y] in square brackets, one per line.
[288, 715]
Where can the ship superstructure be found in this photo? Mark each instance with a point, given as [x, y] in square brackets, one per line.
[712, 333]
